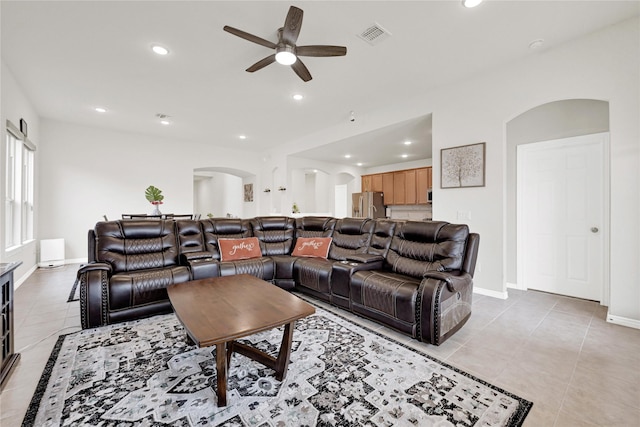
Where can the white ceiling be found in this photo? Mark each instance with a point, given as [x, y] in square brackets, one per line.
[70, 57]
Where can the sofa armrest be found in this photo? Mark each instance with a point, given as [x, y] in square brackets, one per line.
[364, 258]
[454, 280]
[95, 266]
[204, 268]
[341, 277]
[94, 294]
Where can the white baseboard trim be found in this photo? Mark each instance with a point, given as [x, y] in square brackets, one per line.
[76, 261]
[623, 321]
[490, 293]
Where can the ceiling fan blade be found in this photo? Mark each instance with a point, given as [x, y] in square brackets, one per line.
[250, 37]
[301, 70]
[321, 50]
[262, 63]
[292, 25]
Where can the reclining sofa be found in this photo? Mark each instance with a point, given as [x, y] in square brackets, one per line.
[413, 276]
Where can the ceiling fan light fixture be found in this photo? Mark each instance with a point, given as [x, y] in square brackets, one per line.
[160, 50]
[285, 55]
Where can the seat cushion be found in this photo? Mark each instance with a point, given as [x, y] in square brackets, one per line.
[263, 268]
[385, 294]
[141, 287]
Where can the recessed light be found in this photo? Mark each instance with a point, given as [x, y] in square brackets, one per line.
[407, 143]
[160, 50]
[471, 3]
[243, 137]
[404, 156]
[358, 164]
[100, 110]
[164, 119]
[298, 97]
[347, 156]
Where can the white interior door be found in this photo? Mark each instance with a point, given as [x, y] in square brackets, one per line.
[561, 216]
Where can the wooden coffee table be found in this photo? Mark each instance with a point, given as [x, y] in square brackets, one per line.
[220, 310]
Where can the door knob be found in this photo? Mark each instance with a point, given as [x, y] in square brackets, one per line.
[594, 229]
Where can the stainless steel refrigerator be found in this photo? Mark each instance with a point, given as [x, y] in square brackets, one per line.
[368, 205]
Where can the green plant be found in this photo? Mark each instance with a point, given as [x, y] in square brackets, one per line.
[295, 208]
[154, 195]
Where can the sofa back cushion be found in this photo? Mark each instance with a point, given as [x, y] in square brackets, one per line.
[383, 231]
[136, 244]
[315, 226]
[189, 234]
[217, 228]
[351, 236]
[276, 234]
[421, 246]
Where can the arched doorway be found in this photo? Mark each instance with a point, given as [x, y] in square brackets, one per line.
[555, 121]
[220, 192]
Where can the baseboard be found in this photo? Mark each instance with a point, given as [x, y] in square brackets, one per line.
[76, 261]
[490, 293]
[623, 321]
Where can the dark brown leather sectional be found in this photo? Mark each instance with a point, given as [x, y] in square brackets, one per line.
[413, 276]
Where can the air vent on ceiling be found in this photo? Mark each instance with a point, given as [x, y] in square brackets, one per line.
[374, 34]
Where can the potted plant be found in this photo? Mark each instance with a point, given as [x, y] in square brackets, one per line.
[154, 195]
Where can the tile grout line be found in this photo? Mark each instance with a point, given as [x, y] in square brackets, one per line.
[573, 372]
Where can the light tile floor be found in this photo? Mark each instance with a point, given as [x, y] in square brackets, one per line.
[556, 351]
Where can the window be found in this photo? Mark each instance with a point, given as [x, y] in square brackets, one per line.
[19, 179]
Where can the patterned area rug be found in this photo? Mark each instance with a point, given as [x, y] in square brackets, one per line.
[74, 295]
[145, 373]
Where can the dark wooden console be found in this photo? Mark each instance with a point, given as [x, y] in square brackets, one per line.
[8, 356]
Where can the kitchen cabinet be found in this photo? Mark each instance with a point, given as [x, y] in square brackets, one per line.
[423, 185]
[403, 187]
[399, 184]
[387, 188]
[410, 187]
[376, 182]
[366, 183]
[372, 182]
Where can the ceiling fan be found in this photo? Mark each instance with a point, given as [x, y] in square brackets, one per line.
[287, 53]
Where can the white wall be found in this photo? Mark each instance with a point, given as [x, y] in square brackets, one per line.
[219, 194]
[321, 196]
[87, 172]
[399, 166]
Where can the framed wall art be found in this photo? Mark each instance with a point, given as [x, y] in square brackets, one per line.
[248, 192]
[462, 166]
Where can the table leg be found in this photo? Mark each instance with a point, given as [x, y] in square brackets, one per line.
[282, 362]
[222, 370]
